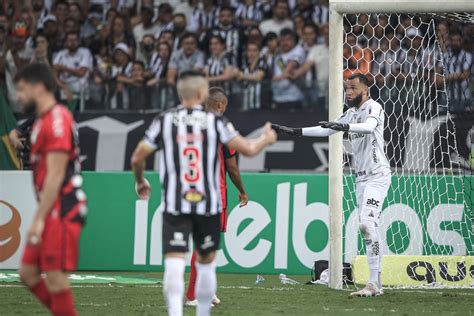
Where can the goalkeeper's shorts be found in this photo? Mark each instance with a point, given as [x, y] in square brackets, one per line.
[371, 194]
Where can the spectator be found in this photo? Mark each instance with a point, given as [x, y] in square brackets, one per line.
[188, 8]
[39, 12]
[71, 25]
[299, 25]
[60, 10]
[3, 40]
[179, 28]
[458, 65]
[220, 67]
[90, 27]
[16, 58]
[270, 51]
[318, 56]
[75, 12]
[254, 35]
[119, 33]
[356, 59]
[157, 69]
[249, 13]
[50, 30]
[304, 8]
[147, 46]
[252, 74]
[102, 73]
[73, 65]
[286, 93]
[206, 18]
[165, 19]
[321, 12]
[188, 57]
[136, 86]
[229, 32]
[280, 19]
[146, 27]
[121, 72]
[168, 38]
[308, 73]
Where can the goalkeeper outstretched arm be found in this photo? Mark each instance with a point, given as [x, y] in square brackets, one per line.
[326, 129]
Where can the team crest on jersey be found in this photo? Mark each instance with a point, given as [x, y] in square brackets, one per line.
[194, 196]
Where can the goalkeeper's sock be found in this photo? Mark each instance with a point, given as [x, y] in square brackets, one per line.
[206, 286]
[191, 293]
[173, 281]
[372, 242]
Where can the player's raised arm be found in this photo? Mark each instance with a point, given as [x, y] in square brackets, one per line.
[314, 131]
[251, 147]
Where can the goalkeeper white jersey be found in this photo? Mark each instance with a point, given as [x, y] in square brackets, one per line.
[368, 149]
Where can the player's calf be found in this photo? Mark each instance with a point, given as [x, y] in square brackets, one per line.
[31, 277]
[62, 301]
[173, 281]
[206, 283]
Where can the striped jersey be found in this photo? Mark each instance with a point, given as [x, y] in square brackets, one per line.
[188, 142]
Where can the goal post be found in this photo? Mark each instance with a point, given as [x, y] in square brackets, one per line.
[337, 10]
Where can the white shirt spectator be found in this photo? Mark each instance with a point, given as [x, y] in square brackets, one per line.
[82, 58]
[282, 60]
[319, 56]
[272, 25]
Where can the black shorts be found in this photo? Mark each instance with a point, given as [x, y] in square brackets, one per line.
[177, 228]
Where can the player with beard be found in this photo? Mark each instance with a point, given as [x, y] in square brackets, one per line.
[53, 237]
[364, 122]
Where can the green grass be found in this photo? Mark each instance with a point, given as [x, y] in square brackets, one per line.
[240, 296]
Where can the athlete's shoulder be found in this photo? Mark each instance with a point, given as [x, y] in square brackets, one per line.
[372, 104]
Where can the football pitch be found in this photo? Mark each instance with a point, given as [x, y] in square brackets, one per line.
[241, 296]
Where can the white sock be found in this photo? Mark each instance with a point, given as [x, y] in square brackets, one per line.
[173, 282]
[206, 286]
[372, 242]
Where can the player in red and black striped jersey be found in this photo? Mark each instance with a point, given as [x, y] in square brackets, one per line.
[53, 238]
[217, 103]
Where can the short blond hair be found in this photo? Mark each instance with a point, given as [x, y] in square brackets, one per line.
[188, 87]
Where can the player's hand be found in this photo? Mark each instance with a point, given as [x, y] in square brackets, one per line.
[15, 140]
[143, 189]
[269, 134]
[35, 232]
[280, 129]
[243, 199]
[335, 126]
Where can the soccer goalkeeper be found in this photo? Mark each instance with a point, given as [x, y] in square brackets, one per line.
[364, 122]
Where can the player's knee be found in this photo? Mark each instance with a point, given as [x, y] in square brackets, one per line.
[29, 276]
[366, 227]
[206, 257]
[56, 281]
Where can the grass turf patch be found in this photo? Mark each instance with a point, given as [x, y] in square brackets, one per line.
[240, 296]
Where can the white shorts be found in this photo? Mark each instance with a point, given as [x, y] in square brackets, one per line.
[371, 194]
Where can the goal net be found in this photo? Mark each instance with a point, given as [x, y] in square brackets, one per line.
[420, 70]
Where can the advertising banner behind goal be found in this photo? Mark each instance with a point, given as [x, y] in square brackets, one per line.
[284, 229]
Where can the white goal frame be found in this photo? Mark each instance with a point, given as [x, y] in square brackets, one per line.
[336, 10]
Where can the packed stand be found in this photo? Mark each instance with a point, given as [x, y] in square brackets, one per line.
[123, 55]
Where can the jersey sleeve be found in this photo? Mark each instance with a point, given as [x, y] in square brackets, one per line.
[228, 153]
[225, 130]
[153, 133]
[57, 132]
[375, 111]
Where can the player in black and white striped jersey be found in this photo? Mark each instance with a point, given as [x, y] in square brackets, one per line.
[188, 139]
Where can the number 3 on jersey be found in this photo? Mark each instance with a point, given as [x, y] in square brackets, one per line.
[193, 173]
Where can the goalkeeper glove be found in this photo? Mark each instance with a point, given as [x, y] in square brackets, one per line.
[335, 126]
[287, 130]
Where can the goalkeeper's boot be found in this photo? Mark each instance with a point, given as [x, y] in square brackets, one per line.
[371, 289]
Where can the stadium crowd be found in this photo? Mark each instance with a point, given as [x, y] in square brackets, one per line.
[274, 54]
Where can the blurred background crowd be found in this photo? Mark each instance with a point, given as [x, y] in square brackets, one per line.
[125, 55]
